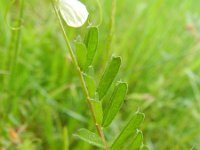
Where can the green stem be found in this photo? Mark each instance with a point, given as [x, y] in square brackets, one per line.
[83, 83]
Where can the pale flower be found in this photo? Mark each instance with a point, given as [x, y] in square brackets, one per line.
[73, 12]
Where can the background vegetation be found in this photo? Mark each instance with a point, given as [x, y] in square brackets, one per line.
[40, 96]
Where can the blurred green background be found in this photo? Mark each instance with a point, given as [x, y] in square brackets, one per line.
[40, 91]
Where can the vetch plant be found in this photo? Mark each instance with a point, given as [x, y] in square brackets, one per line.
[75, 14]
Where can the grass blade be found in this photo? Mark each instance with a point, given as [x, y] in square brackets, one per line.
[108, 76]
[115, 103]
[128, 130]
[89, 137]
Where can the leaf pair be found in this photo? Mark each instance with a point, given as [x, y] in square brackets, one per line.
[106, 116]
[117, 98]
[85, 52]
[129, 130]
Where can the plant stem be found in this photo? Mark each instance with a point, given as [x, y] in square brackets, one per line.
[83, 83]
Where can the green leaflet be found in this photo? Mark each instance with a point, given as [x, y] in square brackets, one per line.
[98, 110]
[81, 54]
[91, 43]
[91, 86]
[90, 71]
[128, 130]
[144, 148]
[137, 141]
[108, 76]
[115, 103]
[89, 137]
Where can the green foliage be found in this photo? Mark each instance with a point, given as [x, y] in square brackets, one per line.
[137, 141]
[144, 148]
[81, 54]
[114, 103]
[104, 116]
[128, 130]
[91, 85]
[158, 43]
[108, 76]
[89, 137]
[98, 110]
[91, 42]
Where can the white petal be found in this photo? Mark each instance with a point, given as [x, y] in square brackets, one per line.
[73, 12]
